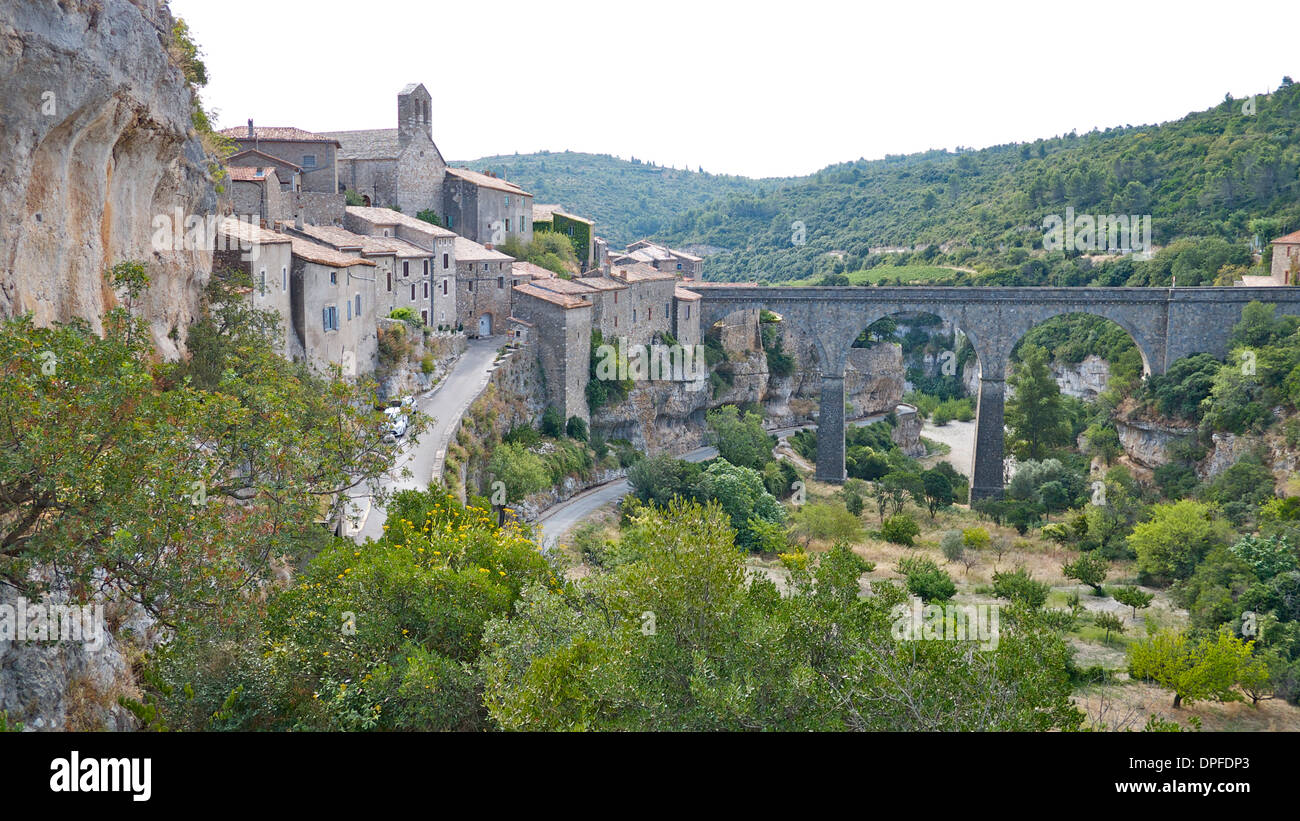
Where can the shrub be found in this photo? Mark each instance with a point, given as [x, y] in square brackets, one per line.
[552, 423]
[1020, 587]
[900, 529]
[927, 580]
[952, 545]
[576, 428]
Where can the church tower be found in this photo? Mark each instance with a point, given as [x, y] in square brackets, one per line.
[414, 113]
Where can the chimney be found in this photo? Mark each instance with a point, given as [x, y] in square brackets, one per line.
[297, 218]
[250, 128]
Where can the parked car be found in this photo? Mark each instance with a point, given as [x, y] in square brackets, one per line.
[397, 422]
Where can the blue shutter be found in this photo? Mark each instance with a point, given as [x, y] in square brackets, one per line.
[325, 318]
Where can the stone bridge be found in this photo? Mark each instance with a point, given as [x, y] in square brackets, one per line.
[1165, 323]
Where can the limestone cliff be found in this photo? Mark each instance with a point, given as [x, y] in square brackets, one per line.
[96, 140]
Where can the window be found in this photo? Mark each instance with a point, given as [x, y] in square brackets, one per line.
[470, 285]
[334, 277]
[449, 221]
[390, 280]
[424, 317]
[385, 232]
[406, 268]
[444, 262]
[426, 290]
[412, 291]
[507, 223]
[284, 278]
[262, 280]
[668, 309]
[616, 297]
[679, 266]
[349, 310]
[308, 161]
[688, 310]
[616, 322]
[426, 268]
[358, 306]
[444, 287]
[507, 200]
[330, 317]
[485, 265]
[634, 314]
[501, 283]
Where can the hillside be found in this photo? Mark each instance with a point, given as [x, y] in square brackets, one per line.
[1216, 173]
[627, 199]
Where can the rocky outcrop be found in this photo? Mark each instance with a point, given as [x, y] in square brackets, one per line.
[1148, 443]
[907, 433]
[98, 142]
[657, 417]
[1084, 380]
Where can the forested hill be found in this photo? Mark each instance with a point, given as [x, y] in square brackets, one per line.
[627, 199]
[1219, 173]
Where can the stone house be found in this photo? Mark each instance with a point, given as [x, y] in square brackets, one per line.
[256, 191]
[400, 166]
[578, 229]
[686, 316]
[441, 243]
[266, 257]
[611, 305]
[403, 271]
[314, 154]
[482, 288]
[663, 258]
[332, 305]
[558, 327]
[651, 293]
[486, 209]
[289, 174]
[1285, 269]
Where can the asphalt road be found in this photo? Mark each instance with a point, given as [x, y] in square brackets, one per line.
[424, 455]
[556, 521]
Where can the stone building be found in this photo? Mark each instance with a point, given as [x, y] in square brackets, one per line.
[289, 174]
[558, 327]
[578, 229]
[662, 258]
[651, 294]
[400, 166]
[314, 154]
[486, 209]
[482, 288]
[257, 192]
[611, 307]
[266, 257]
[332, 307]
[686, 316]
[404, 273]
[1285, 269]
[441, 243]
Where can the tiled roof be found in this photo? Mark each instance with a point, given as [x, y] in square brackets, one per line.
[530, 270]
[685, 295]
[546, 213]
[1289, 239]
[660, 252]
[519, 321]
[367, 144]
[387, 216]
[253, 152]
[248, 232]
[248, 173]
[283, 134]
[333, 235]
[468, 250]
[563, 300]
[602, 283]
[565, 286]
[639, 272]
[485, 181]
[392, 245]
[324, 255]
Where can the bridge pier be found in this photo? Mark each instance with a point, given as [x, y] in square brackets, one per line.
[986, 462]
[830, 431]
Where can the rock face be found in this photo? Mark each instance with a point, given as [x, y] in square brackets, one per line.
[97, 143]
[1083, 380]
[1148, 443]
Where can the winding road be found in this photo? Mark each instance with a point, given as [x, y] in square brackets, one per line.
[557, 520]
[424, 455]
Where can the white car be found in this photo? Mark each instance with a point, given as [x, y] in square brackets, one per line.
[397, 422]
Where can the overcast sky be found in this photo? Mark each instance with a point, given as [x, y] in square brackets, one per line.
[760, 89]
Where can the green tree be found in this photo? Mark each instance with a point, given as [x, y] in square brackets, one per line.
[1195, 671]
[1177, 536]
[740, 440]
[1090, 569]
[938, 491]
[741, 494]
[522, 471]
[1035, 414]
[1132, 597]
[900, 529]
[1109, 622]
[825, 522]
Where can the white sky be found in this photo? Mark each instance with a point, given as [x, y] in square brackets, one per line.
[756, 88]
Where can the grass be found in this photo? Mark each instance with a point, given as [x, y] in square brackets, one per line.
[903, 273]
